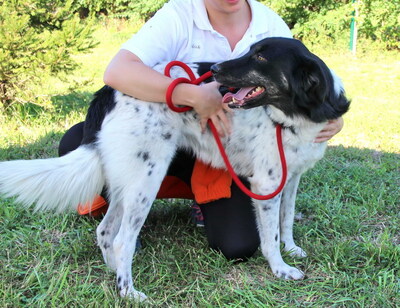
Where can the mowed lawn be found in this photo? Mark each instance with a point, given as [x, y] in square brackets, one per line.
[348, 212]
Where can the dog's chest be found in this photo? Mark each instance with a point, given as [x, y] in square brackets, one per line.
[302, 157]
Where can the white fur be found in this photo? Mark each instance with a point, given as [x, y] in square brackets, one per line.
[134, 147]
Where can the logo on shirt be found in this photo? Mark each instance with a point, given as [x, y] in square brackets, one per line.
[196, 46]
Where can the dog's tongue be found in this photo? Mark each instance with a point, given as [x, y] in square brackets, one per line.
[239, 95]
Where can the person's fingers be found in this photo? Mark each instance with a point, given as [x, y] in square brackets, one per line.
[227, 108]
[226, 122]
[218, 125]
[323, 138]
[331, 129]
[203, 124]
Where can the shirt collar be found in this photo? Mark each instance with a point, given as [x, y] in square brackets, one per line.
[257, 24]
[200, 15]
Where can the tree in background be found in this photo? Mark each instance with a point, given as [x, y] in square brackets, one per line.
[323, 21]
[379, 20]
[142, 9]
[37, 38]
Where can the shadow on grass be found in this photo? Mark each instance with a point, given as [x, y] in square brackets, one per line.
[59, 106]
[62, 106]
[73, 102]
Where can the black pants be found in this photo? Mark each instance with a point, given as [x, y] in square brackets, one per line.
[230, 224]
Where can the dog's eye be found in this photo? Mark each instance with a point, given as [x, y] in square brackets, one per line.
[261, 58]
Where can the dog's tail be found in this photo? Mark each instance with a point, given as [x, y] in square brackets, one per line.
[57, 184]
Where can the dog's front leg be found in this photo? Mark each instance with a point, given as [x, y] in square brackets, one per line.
[267, 213]
[287, 211]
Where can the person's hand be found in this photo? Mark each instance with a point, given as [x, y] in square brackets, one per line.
[206, 100]
[211, 107]
[330, 130]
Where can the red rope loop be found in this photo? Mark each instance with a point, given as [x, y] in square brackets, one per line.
[192, 80]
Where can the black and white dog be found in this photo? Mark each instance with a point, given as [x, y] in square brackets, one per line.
[129, 144]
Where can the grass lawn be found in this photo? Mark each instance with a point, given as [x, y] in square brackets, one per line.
[349, 205]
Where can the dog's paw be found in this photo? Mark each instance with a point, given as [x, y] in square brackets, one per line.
[287, 272]
[296, 251]
[133, 294]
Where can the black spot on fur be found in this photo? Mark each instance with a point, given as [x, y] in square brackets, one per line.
[144, 155]
[166, 136]
[106, 246]
[266, 208]
[137, 222]
[292, 130]
[276, 237]
[119, 279]
[270, 171]
[103, 232]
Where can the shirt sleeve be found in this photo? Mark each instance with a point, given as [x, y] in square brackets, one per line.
[158, 40]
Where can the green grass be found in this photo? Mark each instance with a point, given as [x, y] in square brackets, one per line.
[350, 206]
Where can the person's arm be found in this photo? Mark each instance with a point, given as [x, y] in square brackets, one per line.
[128, 74]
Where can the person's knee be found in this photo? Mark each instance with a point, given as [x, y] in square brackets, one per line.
[238, 250]
[71, 139]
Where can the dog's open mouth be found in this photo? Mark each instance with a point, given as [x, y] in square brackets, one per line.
[242, 97]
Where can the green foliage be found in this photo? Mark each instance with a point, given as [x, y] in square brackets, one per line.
[142, 9]
[147, 8]
[380, 21]
[329, 21]
[37, 38]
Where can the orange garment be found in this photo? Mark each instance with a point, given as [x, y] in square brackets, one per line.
[208, 184]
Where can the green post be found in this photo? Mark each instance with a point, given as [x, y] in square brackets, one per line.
[353, 30]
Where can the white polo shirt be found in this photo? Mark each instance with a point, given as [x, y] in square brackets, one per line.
[181, 31]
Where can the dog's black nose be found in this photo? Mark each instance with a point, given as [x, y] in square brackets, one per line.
[215, 68]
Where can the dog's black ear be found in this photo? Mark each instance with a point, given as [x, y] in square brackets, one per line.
[315, 94]
[312, 80]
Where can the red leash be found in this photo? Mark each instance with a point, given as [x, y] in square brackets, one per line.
[192, 80]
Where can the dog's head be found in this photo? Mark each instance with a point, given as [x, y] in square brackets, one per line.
[283, 73]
